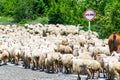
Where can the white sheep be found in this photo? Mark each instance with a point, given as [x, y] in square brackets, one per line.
[114, 69]
[27, 58]
[87, 66]
[16, 55]
[67, 63]
[78, 67]
[105, 63]
[35, 59]
[4, 56]
[52, 61]
[49, 62]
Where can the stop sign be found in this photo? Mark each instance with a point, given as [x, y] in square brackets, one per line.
[89, 14]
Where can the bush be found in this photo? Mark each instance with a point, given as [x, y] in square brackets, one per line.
[65, 12]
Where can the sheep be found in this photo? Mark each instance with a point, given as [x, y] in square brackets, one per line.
[71, 29]
[84, 51]
[27, 58]
[100, 50]
[114, 69]
[67, 63]
[44, 50]
[60, 48]
[93, 66]
[16, 55]
[85, 66]
[94, 34]
[35, 59]
[57, 39]
[84, 56]
[43, 56]
[105, 42]
[78, 67]
[82, 40]
[49, 63]
[105, 63]
[87, 56]
[52, 61]
[76, 50]
[57, 61]
[4, 56]
[68, 49]
[64, 49]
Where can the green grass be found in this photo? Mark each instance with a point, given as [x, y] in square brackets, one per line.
[6, 19]
[42, 20]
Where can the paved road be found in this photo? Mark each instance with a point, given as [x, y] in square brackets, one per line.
[12, 72]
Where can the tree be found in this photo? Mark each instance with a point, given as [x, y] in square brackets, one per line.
[39, 7]
[24, 10]
[7, 7]
[115, 15]
[65, 12]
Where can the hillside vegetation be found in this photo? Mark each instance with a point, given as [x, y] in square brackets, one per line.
[65, 12]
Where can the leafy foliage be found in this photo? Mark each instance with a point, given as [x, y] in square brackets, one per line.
[24, 10]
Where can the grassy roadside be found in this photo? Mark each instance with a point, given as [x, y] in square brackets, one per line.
[9, 20]
[42, 20]
[6, 19]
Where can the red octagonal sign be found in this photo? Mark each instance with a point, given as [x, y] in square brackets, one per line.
[90, 14]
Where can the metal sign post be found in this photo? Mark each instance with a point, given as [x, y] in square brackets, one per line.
[89, 15]
[89, 26]
[88, 30]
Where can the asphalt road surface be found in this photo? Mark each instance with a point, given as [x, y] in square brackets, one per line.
[12, 72]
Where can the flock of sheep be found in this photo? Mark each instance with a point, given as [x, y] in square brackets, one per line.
[56, 48]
